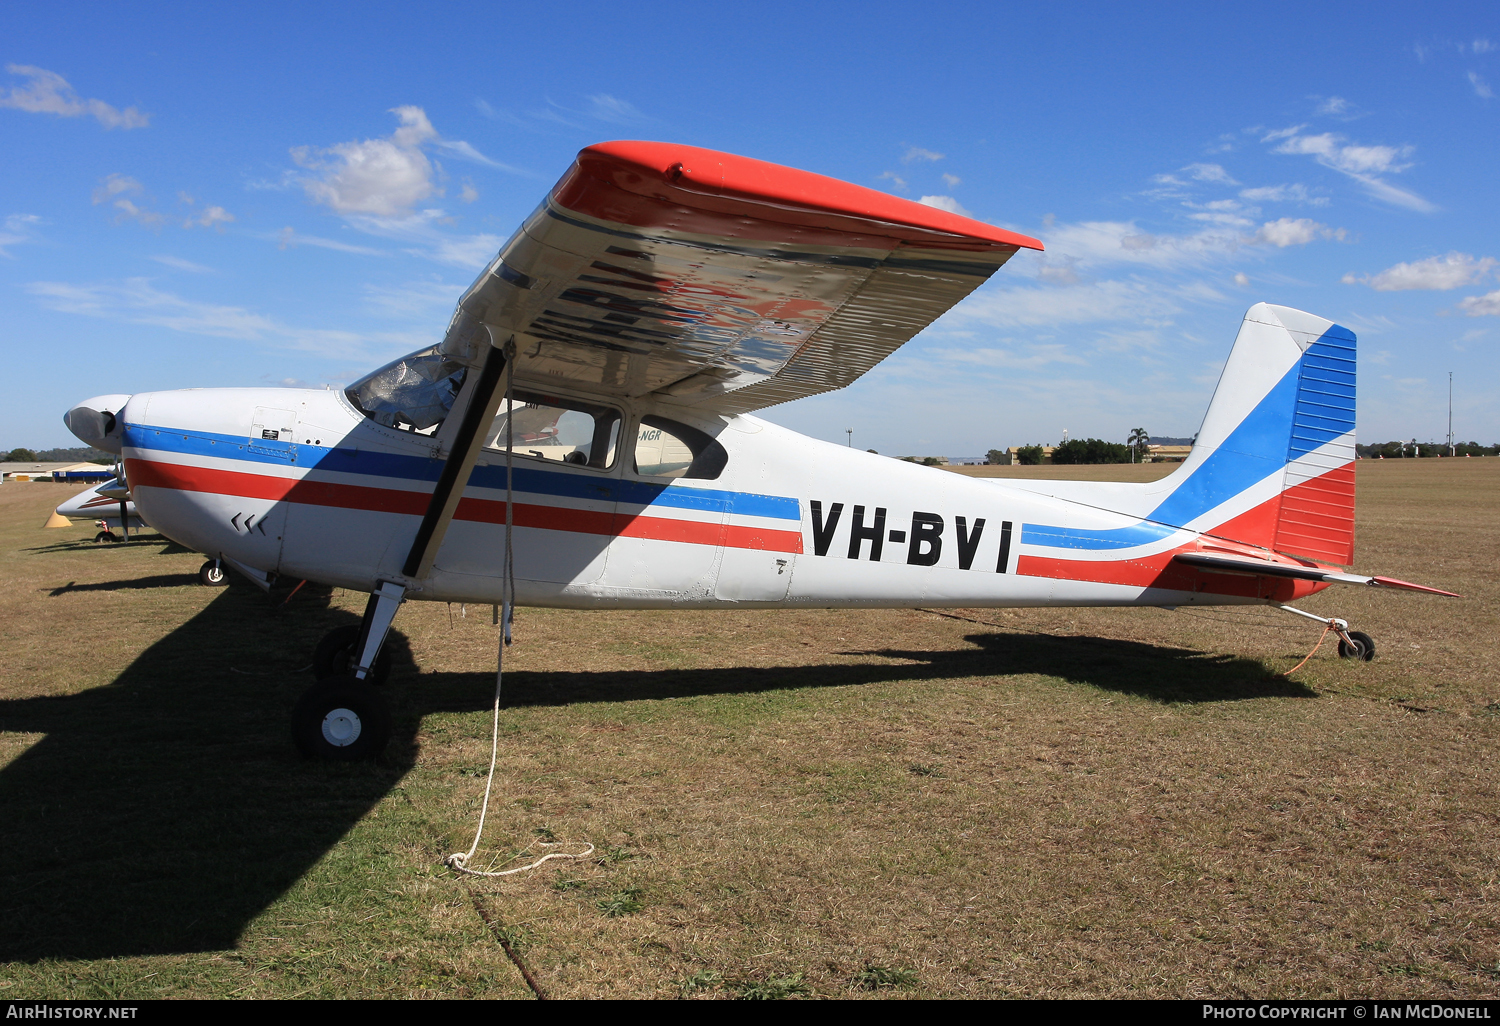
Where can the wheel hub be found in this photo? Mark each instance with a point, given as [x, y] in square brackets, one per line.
[341, 727]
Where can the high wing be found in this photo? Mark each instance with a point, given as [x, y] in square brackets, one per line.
[720, 282]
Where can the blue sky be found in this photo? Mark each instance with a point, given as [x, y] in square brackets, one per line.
[206, 195]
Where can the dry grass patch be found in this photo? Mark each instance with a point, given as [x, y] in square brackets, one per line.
[786, 803]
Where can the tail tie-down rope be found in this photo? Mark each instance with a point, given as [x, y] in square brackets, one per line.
[459, 860]
[1329, 628]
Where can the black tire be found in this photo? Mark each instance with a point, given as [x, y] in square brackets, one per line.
[1363, 648]
[105, 536]
[334, 657]
[212, 575]
[342, 720]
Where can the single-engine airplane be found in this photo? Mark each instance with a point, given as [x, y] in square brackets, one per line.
[590, 410]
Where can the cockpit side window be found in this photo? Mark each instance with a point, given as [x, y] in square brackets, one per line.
[412, 394]
[552, 428]
[666, 448]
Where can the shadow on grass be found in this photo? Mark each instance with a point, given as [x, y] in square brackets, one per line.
[158, 581]
[1125, 667]
[165, 811]
[169, 547]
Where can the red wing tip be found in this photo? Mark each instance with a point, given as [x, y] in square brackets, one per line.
[694, 169]
[1391, 582]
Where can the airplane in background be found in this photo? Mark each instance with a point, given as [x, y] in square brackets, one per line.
[590, 409]
[112, 510]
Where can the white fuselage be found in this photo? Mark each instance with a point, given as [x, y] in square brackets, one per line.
[301, 484]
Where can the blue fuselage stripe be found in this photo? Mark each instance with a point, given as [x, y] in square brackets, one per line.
[375, 464]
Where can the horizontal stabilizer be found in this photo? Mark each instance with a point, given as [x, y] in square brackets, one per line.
[1265, 568]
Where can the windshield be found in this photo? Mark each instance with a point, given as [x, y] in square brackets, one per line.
[413, 394]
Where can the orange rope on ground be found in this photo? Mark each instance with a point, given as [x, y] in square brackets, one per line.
[1314, 652]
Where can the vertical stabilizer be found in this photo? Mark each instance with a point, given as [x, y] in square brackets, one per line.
[1273, 463]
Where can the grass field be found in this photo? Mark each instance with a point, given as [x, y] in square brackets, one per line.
[972, 803]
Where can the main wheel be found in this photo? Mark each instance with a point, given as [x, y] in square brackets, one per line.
[1363, 648]
[335, 656]
[343, 720]
[105, 536]
[212, 574]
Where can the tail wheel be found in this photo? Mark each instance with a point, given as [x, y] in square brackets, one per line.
[341, 720]
[1363, 648]
[212, 574]
[335, 656]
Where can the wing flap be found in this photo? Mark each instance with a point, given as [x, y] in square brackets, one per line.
[718, 281]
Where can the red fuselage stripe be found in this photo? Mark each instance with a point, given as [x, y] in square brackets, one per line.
[150, 474]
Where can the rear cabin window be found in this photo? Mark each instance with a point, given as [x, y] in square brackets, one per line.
[551, 428]
[665, 448]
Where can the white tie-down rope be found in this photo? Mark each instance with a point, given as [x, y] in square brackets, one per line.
[458, 861]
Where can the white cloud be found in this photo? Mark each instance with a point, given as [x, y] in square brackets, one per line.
[1241, 279]
[1037, 356]
[468, 193]
[49, 93]
[1101, 243]
[1364, 164]
[1438, 273]
[1481, 87]
[1481, 306]
[916, 153]
[1295, 193]
[381, 177]
[893, 178]
[137, 301]
[419, 300]
[1334, 106]
[614, 110]
[287, 238]
[210, 218]
[113, 185]
[426, 240]
[947, 203]
[463, 151]
[1331, 151]
[114, 189]
[1073, 304]
[1481, 46]
[177, 263]
[1299, 231]
[18, 228]
[952, 181]
[1210, 173]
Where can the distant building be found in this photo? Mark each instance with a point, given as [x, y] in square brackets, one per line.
[1168, 453]
[1046, 453]
[54, 472]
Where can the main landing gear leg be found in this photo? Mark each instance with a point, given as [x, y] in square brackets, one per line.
[344, 718]
[1352, 644]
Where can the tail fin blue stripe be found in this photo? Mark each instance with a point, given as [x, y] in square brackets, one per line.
[1325, 396]
[1311, 405]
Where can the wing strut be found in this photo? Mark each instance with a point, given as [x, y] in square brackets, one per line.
[386, 598]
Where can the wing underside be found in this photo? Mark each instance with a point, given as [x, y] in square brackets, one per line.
[707, 280]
